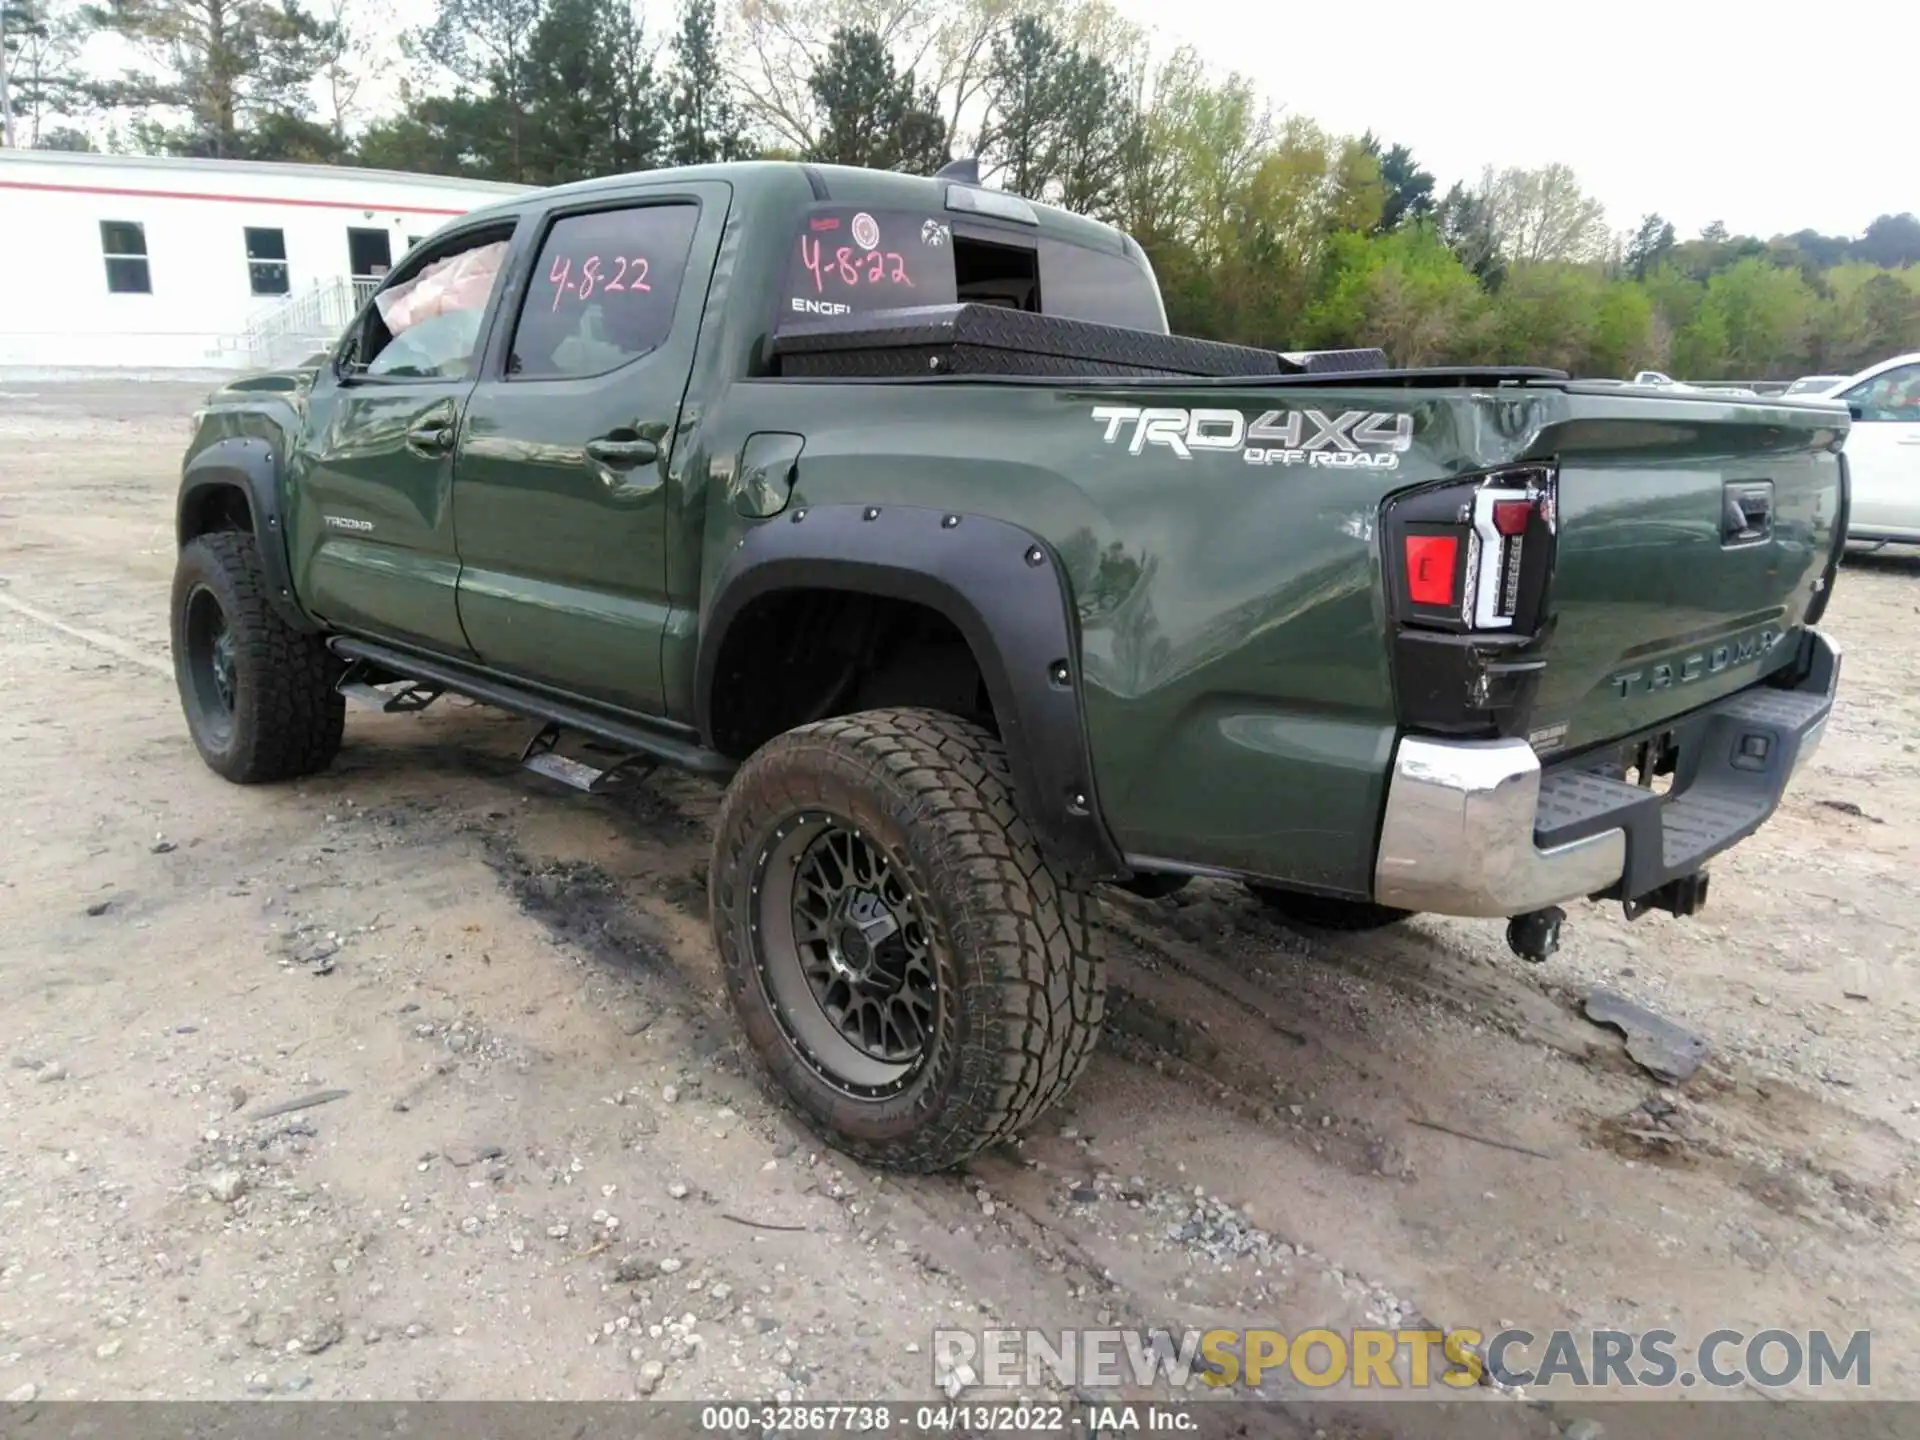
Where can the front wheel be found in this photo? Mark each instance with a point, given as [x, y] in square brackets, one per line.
[900, 956]
[258, 695]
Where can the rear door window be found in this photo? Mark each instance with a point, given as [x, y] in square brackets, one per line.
[603, 291]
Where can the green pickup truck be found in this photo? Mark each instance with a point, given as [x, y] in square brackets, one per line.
[890, 501]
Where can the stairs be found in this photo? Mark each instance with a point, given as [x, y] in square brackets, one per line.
[299, 325]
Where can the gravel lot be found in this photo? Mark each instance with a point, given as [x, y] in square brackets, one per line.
[533, 1160]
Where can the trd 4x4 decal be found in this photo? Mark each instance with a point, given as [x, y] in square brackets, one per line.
[1353, 439]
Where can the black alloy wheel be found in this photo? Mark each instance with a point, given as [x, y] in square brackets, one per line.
[843, 945]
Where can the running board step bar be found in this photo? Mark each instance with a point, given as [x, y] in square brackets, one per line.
[543, 757]
[672, 744]
[404, 697]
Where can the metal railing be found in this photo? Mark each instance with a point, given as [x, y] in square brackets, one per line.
[299, 325]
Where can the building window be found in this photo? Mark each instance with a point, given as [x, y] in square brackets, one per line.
[369, 253]
[267, 261]
[124, 243]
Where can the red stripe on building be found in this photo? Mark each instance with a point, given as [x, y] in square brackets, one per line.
[228, 199]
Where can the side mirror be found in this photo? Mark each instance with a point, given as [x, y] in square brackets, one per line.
[1856, 409]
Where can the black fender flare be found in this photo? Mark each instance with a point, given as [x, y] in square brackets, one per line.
[248, 464]
[1002, 587]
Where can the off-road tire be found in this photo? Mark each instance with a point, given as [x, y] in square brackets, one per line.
[286, 717]
[1326, 912]
[1018, 968]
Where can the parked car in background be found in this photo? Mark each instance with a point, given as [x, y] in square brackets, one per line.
[1883, 452]
[1660, 381]
[1815, 384]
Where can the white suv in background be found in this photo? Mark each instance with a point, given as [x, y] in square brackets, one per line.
[1883, 451]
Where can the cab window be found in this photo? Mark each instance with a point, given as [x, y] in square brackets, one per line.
[425, 323]
[602, 291]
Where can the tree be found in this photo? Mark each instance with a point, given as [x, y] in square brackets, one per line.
[1403, 290]
[352, 56]
[440, 135]
[224, 66]
[1056, 119]
[483, 44]
[40, 44]
[1823, 252]
[1623, 340]
[946, 43]
[1023, 132]
[65, 137]
[706, 125]
[1464, 221]
[1545, 315]
[786, 45]
[869, 115]
[1760, 315]
[1891, 241]
[1541, 215]
[636, 110]
[593, 105]
[1409, 189]
[1651, 244]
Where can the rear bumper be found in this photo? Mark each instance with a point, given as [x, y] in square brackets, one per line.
[1479, 828]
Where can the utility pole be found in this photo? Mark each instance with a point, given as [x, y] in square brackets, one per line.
[6, 104]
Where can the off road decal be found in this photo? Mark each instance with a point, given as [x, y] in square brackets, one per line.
[1352, 439]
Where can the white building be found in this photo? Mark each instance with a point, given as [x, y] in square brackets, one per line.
[156, 262]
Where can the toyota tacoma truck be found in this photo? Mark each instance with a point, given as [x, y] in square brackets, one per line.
[890, 502]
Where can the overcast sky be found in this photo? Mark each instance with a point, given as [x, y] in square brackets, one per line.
[1772, 117]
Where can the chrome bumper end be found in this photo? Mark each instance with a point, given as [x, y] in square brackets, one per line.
[1458, 835]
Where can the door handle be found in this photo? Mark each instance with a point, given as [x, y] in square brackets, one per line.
[431, 436]
[621, 454]
[1748, 514]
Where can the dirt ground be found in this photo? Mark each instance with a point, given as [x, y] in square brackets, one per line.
[548, 1169]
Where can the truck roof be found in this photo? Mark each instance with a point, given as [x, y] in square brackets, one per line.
[845, 185]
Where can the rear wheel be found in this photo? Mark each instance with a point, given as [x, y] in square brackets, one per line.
[1325, 912]
[259, 696]
[900, 956]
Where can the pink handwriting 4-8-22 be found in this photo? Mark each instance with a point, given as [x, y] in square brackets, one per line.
[853, 267]
[614, 276]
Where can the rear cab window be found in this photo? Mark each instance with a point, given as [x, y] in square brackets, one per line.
[849, 260]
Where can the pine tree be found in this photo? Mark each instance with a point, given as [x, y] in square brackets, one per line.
[41, 63]
[870, 115]
[238, 69]
[705, 125]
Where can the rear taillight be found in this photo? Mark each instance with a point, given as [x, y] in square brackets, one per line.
[1433, 570]
[1468, 594]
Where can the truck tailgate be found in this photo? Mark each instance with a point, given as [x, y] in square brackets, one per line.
[1695, 533]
